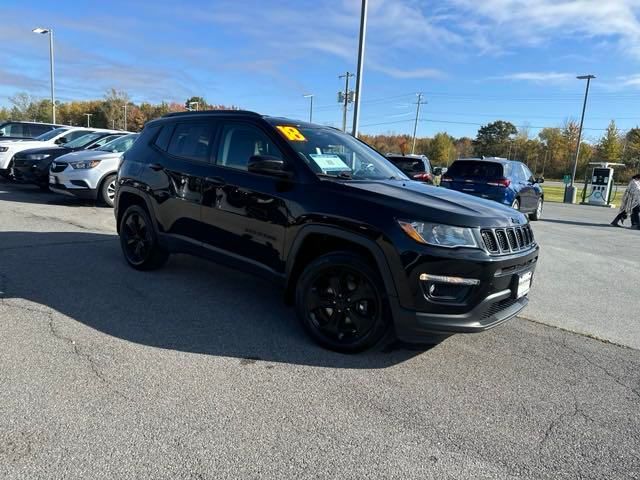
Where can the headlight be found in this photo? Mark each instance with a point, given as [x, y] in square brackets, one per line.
[4, 149]
[440, 235]
[85, 164]
[38, 156]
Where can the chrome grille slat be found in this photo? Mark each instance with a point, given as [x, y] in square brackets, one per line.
[502, 241]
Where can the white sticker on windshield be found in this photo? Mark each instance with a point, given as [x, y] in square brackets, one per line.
[329, 163]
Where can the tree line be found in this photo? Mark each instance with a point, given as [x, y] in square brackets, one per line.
[550, 153]
[108, 112]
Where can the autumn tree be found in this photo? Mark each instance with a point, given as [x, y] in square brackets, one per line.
[441, 149]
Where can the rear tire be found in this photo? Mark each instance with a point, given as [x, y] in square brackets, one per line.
[108, 191]
[139, 241]
[341, 302]
[537, 215]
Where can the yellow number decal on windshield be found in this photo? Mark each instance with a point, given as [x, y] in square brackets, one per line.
[292, 134]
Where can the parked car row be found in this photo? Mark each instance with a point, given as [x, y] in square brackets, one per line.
[77, 161]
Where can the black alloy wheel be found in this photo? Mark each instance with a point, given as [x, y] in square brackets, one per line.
[138, 240]
[341, 304]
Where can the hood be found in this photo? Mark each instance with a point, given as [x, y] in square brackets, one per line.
[419, 201]
[51, 150]
[89, 155]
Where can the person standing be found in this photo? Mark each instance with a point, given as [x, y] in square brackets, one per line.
[630, 204]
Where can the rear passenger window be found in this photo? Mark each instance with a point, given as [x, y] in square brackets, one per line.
[162, 142]
[241, 142]
[37, 130]
[191, 140]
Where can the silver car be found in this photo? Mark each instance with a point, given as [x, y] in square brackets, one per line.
[90, 174]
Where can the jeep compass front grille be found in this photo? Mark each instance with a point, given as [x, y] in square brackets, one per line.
[507, 240]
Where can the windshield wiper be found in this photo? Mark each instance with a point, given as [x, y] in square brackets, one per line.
[344, 175]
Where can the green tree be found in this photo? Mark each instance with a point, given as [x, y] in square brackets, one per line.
[493, 139]
[610, 147]
[441, 149]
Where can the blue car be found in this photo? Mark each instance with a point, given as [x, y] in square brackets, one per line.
[504, 181]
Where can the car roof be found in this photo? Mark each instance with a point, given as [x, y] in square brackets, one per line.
[500, 160]
[32, 123]
[246, 114]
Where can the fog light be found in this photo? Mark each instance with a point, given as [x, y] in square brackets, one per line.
[426, 277]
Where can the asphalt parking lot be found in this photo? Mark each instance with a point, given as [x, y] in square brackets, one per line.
[198, 371]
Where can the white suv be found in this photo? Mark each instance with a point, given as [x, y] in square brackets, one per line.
[90, 174]
[59, 136]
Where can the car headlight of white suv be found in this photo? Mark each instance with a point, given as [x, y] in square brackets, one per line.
[85, 164]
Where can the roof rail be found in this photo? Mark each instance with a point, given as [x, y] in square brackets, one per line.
[211, 112]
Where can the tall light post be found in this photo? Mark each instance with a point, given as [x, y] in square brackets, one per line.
[363, 36]
[570, 192]
[88, 115]
[310, 97]
[44, 31]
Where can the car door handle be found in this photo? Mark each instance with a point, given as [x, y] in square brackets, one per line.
[156, 167]
[217, 181]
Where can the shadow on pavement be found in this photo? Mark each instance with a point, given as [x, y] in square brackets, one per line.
[190, 305]
[24, 193]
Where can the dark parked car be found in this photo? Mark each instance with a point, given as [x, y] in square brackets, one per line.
[417, 167]
[360, 249]
[32, 165]
[18, 130]
[505, 181]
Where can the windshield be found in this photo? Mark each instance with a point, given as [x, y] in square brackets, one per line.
[84, 140]
[119, 145]
[52, 134]
[330, 152]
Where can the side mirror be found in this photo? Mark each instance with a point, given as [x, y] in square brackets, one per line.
[437, 171]
[268, 165]
[61, 141]
[1, 134]
[539, 180]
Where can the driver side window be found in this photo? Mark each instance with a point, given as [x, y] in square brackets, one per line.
[241, 142]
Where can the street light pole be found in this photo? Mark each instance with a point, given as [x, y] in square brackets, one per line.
[88, 115]
[44, 31]
[310, 97]
[363, 36]
[570, 192]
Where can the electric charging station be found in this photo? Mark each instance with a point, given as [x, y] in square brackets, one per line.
[601, 184]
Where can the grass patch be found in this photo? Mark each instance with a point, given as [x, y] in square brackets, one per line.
[554, 193]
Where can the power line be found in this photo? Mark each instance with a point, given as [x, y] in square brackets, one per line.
[537, 127]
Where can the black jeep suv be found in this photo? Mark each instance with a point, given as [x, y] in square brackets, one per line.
[360, 249]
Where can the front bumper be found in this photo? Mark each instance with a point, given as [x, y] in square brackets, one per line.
[73, 182]
[492, 302]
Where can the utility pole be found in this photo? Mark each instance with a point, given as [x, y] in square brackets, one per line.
[310, 97]
[125, 116]
[415, 125]
[88, 115]
[345, 98]
[358, 94]
[570, 192]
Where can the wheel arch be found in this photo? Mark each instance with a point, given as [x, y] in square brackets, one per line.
[314, 241]
[126, 197]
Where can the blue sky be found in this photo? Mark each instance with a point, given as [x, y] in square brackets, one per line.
[475, 60]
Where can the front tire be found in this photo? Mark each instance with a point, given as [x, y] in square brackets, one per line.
[108, 191]
[341, 302]
[139, 241]
[537, 215]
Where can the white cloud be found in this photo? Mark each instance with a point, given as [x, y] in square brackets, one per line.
[537, 77]
[527, 22]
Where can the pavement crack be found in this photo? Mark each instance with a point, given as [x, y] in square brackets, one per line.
[613, 377]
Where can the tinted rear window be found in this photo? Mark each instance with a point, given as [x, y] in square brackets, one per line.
[408, 165]
[475, 169]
